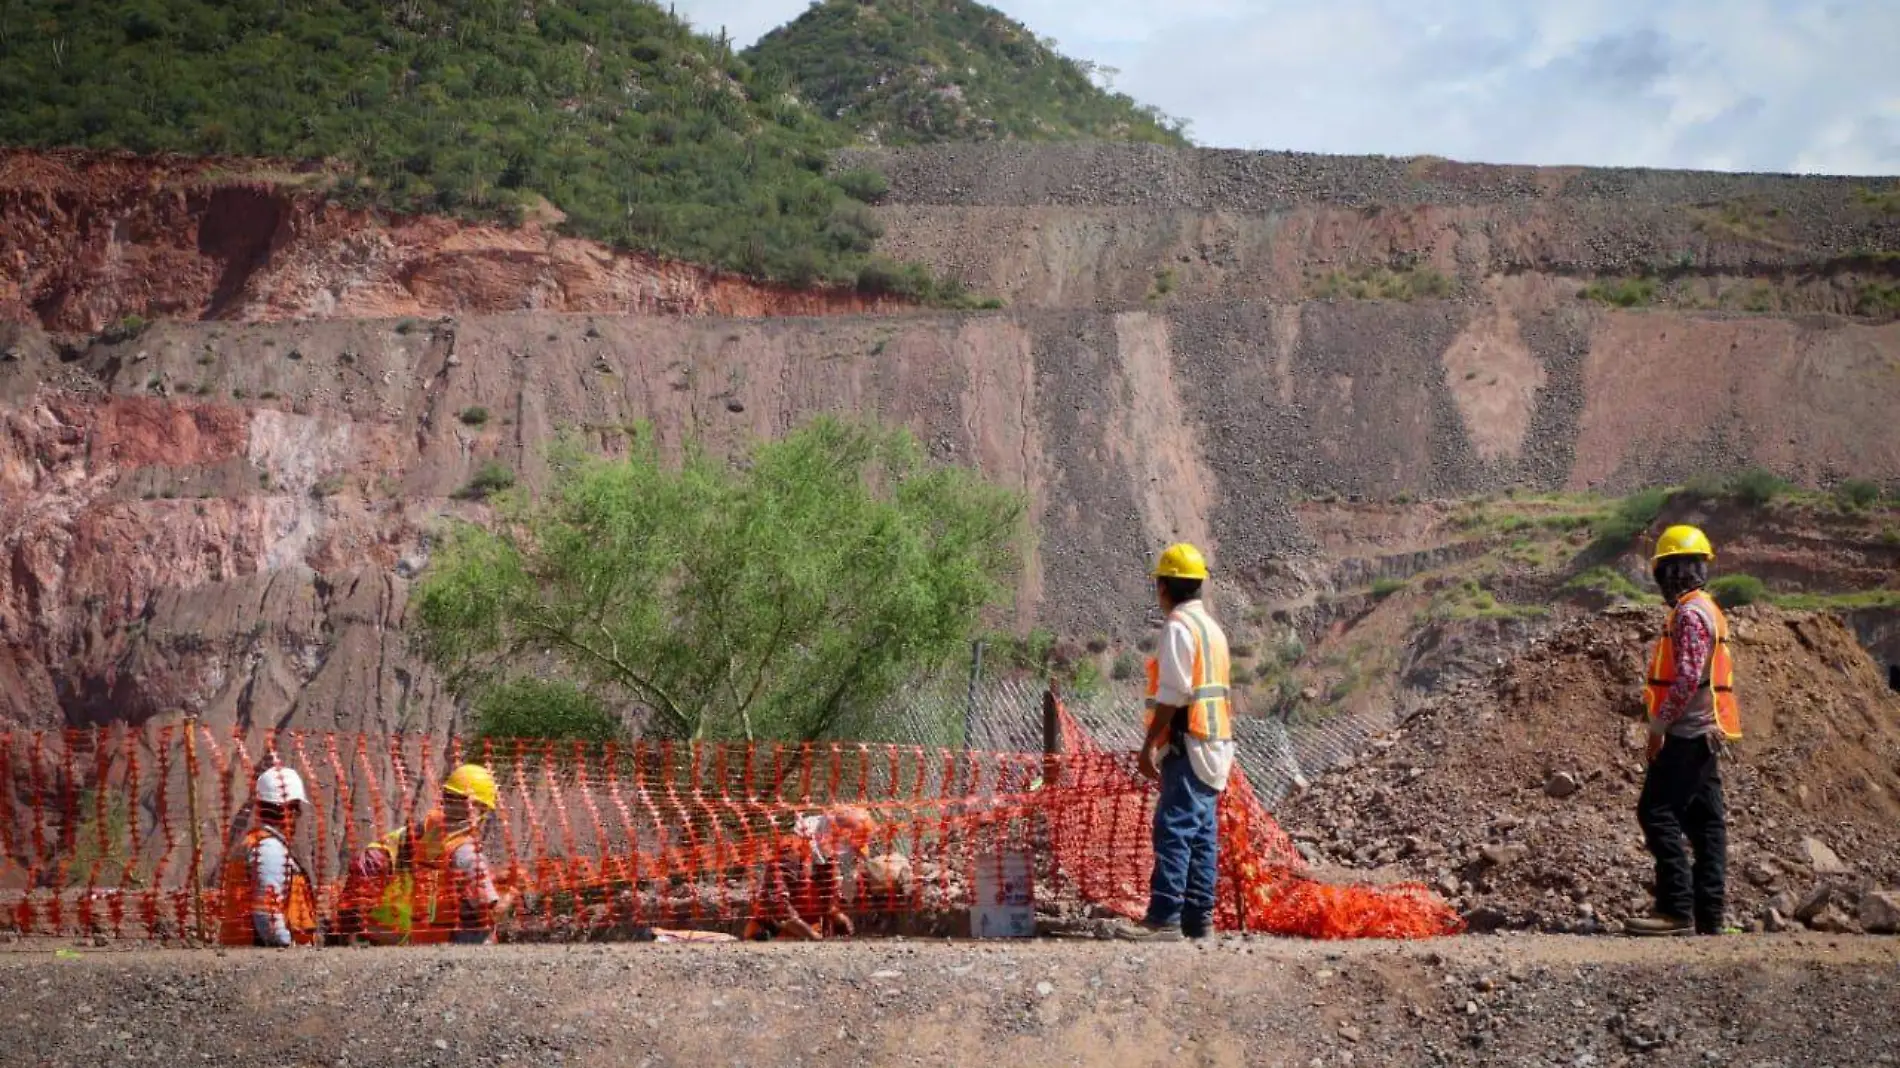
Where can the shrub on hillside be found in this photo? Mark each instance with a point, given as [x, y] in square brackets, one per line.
[1622, 292]
[1631, 516]
[1734, 591]
[867, 186]
[1757, 487]
[542, 708]
[1856, 494]
[491, 478]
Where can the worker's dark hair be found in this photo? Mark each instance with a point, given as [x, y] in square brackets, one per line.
[1180, 590]
[270, 812]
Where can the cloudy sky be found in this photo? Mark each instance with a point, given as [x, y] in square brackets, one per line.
[1779, 85]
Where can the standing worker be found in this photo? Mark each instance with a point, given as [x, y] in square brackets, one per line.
[1690, 699]
[1190, 735]
[266, 897]
[428, 882]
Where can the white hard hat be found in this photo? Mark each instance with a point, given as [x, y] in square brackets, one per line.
[280, 786]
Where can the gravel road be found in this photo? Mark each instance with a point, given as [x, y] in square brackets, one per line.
[1505, 999]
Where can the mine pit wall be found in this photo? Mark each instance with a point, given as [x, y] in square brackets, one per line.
[1125, 225]
[228, 517]
[90, 239]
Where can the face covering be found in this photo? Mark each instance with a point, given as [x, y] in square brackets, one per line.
[1679, 575]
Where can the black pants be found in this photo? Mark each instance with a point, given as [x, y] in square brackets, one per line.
[1682, 795]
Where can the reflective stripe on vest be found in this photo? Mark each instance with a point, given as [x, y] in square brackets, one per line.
[1154, 691]
[241, 897]
[1208, 716]
[1717, 689]
[419, 900]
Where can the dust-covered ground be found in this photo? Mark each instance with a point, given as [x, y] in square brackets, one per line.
[1516, 795]
[1517, 1000]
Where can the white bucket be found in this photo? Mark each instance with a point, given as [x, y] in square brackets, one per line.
[1005, 905]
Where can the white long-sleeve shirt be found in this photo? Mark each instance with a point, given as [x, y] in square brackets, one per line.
[271, 869]
[1212, 760]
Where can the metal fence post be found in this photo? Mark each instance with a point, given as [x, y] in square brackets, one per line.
[969, 706]
[191, 809]
[1051, 735]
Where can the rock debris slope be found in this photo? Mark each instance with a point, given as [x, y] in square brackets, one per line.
[1516, 795]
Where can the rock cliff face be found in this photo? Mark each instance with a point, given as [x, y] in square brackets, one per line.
[226, 516]
[90, 240]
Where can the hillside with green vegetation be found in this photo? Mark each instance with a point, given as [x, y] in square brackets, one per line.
[913, 71]
[642, 132]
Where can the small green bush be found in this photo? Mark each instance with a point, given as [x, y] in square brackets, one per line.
[491, 478]
[1757, 487]
[1386, 587]
[1622, 292]
[1734, 591]
[475, 416]
[1631, 516]
[865, 185]
[534, 708]
[125, 329]
[1126, 667]
[1856, 494]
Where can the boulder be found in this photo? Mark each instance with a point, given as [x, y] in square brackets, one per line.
[1763, 875]
[1501, 855]
[1880, 911]
[1823, 860]
[1561, 784]
[1818, 899]
[1833, 921]
[1484, 919]
[1773, 921]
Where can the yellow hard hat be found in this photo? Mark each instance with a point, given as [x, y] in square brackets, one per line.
[473, 782]
[1182, 561]
[1683, 540]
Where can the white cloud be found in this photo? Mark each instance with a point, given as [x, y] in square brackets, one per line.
[1722, 84]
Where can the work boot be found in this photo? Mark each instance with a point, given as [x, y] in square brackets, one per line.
[1658, 924]
[1148, 932]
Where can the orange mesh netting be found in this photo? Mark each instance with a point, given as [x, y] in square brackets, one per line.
[1261, 884]
[145, 832]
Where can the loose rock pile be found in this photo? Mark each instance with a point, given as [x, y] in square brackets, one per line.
[1516, 796]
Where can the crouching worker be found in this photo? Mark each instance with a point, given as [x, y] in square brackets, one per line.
[799, 897]
[427, 882]
[266, 897]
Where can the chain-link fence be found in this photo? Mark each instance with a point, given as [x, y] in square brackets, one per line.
[1005, 715]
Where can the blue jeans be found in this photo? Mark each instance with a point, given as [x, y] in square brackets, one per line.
[1187, 845]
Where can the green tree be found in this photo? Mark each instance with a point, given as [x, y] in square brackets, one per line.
[784, 597]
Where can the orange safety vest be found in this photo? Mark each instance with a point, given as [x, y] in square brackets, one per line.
[241, 897]
[1718, 685]
[1208, 715]
[420, 902]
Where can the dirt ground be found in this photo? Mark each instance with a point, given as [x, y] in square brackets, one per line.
[1466, 795]
[1516, 1000]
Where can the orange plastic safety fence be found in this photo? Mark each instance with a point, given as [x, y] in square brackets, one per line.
[1262, 885]
[98, 829]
